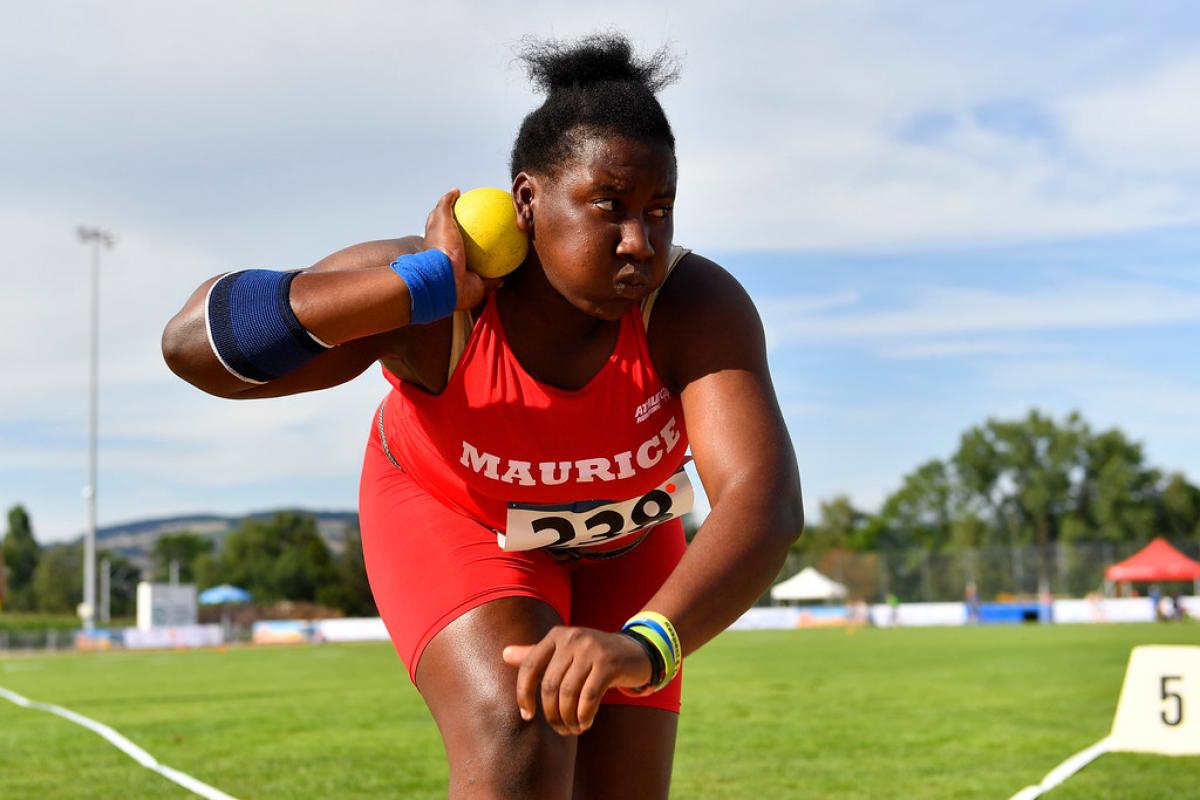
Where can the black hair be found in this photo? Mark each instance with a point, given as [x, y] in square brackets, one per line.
[596, 85]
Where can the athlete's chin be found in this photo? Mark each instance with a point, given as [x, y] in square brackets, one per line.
[610, 310]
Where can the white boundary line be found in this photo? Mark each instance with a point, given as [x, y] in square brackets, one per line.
[124, 745]
[1064, 771]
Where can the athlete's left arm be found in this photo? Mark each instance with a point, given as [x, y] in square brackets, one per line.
[717, 360]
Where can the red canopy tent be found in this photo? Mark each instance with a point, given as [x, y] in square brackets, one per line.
[1157, 561]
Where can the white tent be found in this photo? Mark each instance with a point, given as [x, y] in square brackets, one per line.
[808, 585]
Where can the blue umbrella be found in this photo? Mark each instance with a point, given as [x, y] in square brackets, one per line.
[223, 594]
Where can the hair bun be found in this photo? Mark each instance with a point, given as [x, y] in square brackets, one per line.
[601, 57]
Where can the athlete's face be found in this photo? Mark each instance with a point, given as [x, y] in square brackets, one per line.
[602, 224]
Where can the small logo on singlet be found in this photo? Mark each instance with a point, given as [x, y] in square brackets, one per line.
[652, 404]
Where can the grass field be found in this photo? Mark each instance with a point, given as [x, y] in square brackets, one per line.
[906, 713]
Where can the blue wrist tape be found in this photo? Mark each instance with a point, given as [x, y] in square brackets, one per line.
[253, 329]
[430, 278]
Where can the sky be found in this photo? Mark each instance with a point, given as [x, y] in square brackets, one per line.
[945, 212]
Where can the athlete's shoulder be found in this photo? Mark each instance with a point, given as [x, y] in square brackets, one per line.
[700, 291]
[704, 318]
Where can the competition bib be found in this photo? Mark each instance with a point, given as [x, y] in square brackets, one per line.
[586, 523]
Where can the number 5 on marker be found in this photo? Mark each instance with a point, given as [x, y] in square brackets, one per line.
[1159, 710]
[1175, 718]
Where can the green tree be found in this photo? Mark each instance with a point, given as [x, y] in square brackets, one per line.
[351, 593]
[283, 558]
[1119, 495]
[841, 526]
[1037, 482]
[58, 579]
[1179, 513]
[21, 553]
[921, 511]
[1032, 482]
[1029, 480]
[1020, 475]
[182, 548]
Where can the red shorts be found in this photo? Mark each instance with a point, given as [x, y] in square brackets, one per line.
[428, 565]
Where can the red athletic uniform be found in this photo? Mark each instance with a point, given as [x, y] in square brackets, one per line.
[502, 486]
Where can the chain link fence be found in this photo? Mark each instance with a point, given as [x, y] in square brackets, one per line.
[50, 639]
[918, 575]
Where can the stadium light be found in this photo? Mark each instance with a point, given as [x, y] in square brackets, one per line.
[97, 238]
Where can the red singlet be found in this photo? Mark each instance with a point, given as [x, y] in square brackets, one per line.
[438, 484]
[496, 435]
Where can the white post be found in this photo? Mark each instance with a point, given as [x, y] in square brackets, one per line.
[96, 237]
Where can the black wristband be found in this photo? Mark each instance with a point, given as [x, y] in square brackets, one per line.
[657, 667]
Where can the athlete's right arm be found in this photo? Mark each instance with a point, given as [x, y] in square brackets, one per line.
[352, 300]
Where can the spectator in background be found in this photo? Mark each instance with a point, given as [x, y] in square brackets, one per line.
[1166, 608]
[1156, 596]
[971, 601]
[1180, 613]
[860, 613]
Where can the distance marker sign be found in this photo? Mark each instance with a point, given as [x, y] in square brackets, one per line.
[1159, 710]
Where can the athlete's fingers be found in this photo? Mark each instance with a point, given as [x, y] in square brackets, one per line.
[570, 690]
[594, 687]
[445, 203]
[441, 232]
[529, 676]
[444, 206]
[552, 680]
[514, 654]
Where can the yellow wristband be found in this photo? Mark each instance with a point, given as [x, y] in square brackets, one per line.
[659, 631]
[668, 627]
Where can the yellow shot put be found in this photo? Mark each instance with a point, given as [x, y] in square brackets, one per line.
[488, 221]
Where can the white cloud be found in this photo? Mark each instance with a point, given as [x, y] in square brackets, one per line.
[809, 304]
[968, 347]
[1143, 123]
[217, 442]
[1079, 305]
[46, 307]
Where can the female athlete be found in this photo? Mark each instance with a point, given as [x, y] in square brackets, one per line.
[523, 480]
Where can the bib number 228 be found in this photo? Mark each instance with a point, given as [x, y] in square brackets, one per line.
[584, 524]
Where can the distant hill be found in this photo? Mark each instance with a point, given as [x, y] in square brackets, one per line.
[135, 540]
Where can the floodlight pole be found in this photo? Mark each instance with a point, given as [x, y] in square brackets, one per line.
[97, 238]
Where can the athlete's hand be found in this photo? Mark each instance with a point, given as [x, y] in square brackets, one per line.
[441, 231]
[570, 669]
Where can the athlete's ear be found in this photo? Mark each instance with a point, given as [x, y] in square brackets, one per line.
[524, 190]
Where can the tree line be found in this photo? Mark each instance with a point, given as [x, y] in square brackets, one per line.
[281, 558]
[1027, 483]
